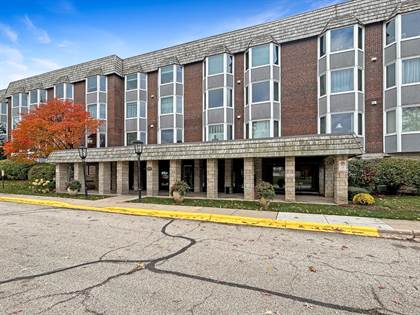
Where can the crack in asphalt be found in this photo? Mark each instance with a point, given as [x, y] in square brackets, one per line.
[151, 265]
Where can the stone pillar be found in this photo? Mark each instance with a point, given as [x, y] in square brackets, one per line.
[249, 179]
[228, 174]
[122, 177]
[329, 177]
[341, 180]
[152, 178]
[321, 180]
[212, 178]
[290, 179]
[174, 172]
[258, 169]
[135, 176]
[78, 175]
[104, 178]
[197, 179]
[61, 177]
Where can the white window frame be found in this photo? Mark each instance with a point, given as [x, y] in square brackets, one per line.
[65, 96]
[98, 109]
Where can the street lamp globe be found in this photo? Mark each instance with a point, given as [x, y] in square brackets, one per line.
[82, 152]
[138, 147]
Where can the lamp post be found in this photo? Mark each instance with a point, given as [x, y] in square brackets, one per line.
[138, 148]
[83, 155]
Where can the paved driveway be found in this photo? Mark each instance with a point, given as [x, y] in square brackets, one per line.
[58, 261]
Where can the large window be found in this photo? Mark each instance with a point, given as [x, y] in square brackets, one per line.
[411, 70]
[131, 110]
[261, 129]
[167, 136]
[390, 32]
[261, 91]
[69, 91]
[342, 39]
[131, 137]
[3, 118]
[33, 96]
[322, 46]
[179, 104]
[142, 109]
[59, 90]
[342, 80]
[216, 132]
[322, 125]
[92, 109]
[215, 64]
[64, 91]
[215, 98]
[410, 24]
[342, 123]
[167, 105]
[260, 55]
[179, 74]
[411, 119]
[131, 82]
[391, 124]
[166, 74]
[92, 84]
[322, 85]
[390, 75]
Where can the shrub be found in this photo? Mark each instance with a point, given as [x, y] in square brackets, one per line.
[42, 171]
[15, 170]
[74, 185]
[265, 190]
[42, 185]
[181, 187]
[353, 191]
[363, 199]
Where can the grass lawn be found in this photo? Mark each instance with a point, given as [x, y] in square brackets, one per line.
[21, 187]
[386, 207]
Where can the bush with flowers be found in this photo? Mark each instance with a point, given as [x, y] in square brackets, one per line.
[42, 186]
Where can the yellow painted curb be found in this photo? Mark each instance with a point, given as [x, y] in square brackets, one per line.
[218, 218]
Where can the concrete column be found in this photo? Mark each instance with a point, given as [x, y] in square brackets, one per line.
[212, 178]
[122, 177]
[329, 177]
[104, 178]
[249, 179]
[174, 172]
[321, 181]
[135, 176]
[228, 174]
[78, 175]
[197, 179]
[341, 179]
[258, 169]
[152, 178]
[61, 177]
[290, 179]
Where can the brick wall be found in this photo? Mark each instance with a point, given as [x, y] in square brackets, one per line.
[299, 87]
[80, 93]
[193, 108]
[115, 110]
[152, 107]
[239, 96]
[50, 93]
[373, 89]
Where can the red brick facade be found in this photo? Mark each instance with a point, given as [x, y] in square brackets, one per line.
[115, 110]
[299, 101]
[193, 99]
[239, 96]
[152, 107]
[373, 88]
[79, 93]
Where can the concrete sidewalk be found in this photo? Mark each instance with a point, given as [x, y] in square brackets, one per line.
[385, 226]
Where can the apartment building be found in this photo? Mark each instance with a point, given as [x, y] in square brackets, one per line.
[288, 102]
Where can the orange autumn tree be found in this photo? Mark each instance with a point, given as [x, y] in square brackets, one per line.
[56, 125]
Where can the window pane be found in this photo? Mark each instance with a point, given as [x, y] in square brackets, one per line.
[322, 46]
[132, 82]
[131, 110]
[410, 24]
[247, 131]
[276, 91]
[215, 64]
[390, 32]
[261, 129]
[143, 83]
[229, 64]
[275, 54]
[260, 55]
[33, 96]
[229, 98]
[229, 132]
[69, 90]
[179, 104]
[342, 123]
[216, 132]
[142, 109]
[411, 119]
[42, 96]
[246, 96]
[102, 111]
[390, 75]
[261, 91]
[360, 38]
[342, 81]
[247, 60]
[143, 137]
[179, 74]
[4, 108]
[91, 84]
[102, 140]
[15, 100]
[360, 79]
[322, 85]
[342, 39]
[167, 136]
[166, 74]
[215, 98]
[166, 105]
[391, 124]
[411, 70]
[102, 82]
[24, 100]
[179, 136]
[59, 91]
[276, 128]
[92, 110]
[360, 124]
[131, 136]
[322, 125]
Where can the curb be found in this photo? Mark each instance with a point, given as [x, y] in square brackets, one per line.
[216, 218]
[408, 235]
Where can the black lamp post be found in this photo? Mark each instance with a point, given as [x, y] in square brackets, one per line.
[138, 148]
[83, 155]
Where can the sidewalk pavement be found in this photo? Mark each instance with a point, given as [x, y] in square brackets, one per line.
[329, 223]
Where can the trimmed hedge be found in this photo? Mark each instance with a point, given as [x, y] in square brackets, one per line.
[15, 170]
[388, 175]
[42, 171]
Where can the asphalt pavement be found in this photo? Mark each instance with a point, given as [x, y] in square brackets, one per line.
[60, 261]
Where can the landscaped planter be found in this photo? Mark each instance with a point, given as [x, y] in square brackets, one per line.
[72, 192]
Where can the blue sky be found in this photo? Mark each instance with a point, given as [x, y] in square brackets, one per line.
[42, 35]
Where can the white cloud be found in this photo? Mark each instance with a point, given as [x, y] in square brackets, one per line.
[10, 33]
[64, 44]
[40, 34]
